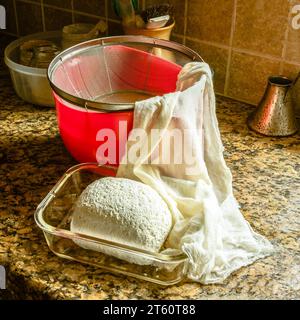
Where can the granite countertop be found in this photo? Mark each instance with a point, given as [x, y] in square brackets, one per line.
[266, 175]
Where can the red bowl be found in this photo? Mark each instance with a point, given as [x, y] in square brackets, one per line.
[82, 73]
[79, 129]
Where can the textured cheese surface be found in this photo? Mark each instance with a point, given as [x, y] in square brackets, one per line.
[123, 211]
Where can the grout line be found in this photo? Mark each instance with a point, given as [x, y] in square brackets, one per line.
[46, 5]
[90, 15]
[114, 20]
[211, 43]
[43, 15]
[59, 8]
[265, 56]
[257, 54]
[295, 63]
[178, 35]
[286, 35]
[16, 18]
[185, 21]
[72, 8]
[106, 17]
[241, 50]
[8, 33]
[233, 25]
[72, 11]
[28, 1]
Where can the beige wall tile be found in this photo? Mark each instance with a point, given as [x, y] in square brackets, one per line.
[60, 4]
[81, 18]
[291, 71]
[29, 18]
[210, 20]
[56, 19]
[292, 52]
[179, 9]
[217, 58]
[95, 7]
[260, 28]
[261, 25]
[110, 11]
[248, 76]
[114, 29]
[176, 38]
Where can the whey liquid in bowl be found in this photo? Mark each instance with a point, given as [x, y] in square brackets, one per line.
[125, 96]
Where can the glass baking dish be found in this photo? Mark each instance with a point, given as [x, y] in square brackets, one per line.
[53, 216]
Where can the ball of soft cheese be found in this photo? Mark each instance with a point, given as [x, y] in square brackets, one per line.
[123, 211]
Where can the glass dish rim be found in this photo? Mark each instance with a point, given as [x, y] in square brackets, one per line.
[45, 227]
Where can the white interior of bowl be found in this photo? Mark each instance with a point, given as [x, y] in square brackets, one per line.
[116, 74]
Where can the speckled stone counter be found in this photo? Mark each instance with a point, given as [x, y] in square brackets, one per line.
[266, 175]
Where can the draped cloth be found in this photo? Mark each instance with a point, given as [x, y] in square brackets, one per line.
[194, 181]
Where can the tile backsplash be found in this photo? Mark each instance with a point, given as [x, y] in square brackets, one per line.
[244, 41]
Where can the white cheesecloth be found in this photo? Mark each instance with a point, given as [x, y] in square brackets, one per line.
[207, 223]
